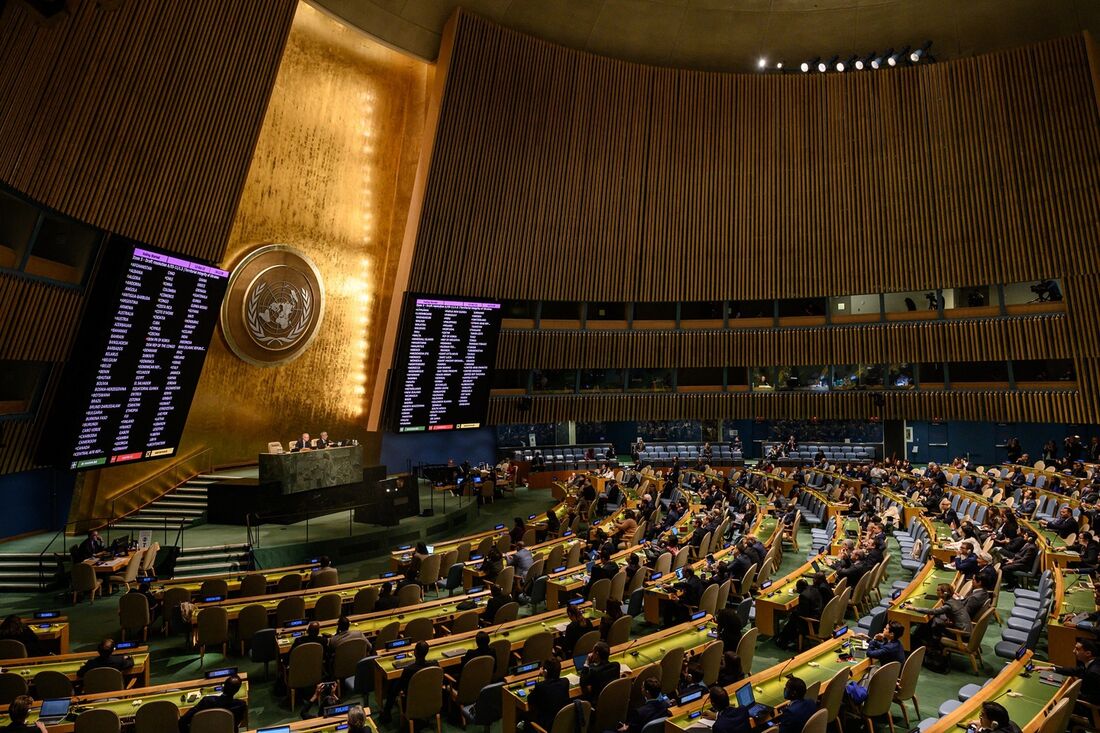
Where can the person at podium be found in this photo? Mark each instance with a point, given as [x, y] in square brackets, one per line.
[303, 443]
[323, 441]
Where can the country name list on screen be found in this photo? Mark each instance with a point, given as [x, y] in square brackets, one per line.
[449, 358]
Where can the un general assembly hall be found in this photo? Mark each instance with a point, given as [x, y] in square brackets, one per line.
[556, 366]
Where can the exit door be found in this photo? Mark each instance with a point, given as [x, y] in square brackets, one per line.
[937, 444]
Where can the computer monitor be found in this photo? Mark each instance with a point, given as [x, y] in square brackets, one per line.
[680, 573]
[431, 549]
[690, 697]
[54, 709]
[745, 698]
[579, 660]
[840, 632]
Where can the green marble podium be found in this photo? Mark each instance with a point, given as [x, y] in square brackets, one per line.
[315, 469]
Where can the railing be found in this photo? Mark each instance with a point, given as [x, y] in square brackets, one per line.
[170, 477]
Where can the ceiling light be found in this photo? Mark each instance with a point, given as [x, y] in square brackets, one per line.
[779, 64]
[921, 52]
[761, 63]
[898, 57]
[807, 65]
[826, 65]
[865, 63]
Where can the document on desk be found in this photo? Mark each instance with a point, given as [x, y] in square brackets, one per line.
[574, 679]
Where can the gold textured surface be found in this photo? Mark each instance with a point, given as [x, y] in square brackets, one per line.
[331, 175]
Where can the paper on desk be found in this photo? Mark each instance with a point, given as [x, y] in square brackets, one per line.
[623, 669]
[560, 628]
[574, 679]
[701, 723]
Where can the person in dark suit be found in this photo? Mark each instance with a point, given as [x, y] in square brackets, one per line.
[856, 570]
[1064, 524]
[553, 526]
[809, 607]
[497, 600]
[13, 628]
[947, 515]
[824, 589]
[598, 671]
[225, 701]
[323, 441]
[1087, 653]
[106, 658]
[652, 707]
[313, 635]
[578, 626]
[798, 710]
[886, 646]
[549, 695]
[302, 443]
[401, 685]
[950, 614]
[688, 592]
[1089, 549]
[966, 562]
[91, 546]
[607, 568]
[481, 649]
[387, 600]
[1023, 561]
[727, 719]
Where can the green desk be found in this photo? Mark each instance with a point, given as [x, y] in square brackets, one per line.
[70, 664]
[126, 702]
[916, 594]
[693, 637]
[1073, 594]
[233, 580]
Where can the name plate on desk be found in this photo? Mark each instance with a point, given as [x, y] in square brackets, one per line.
[315, 469]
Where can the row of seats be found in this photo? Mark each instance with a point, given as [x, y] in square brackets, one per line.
[812, 509]
[846, 452]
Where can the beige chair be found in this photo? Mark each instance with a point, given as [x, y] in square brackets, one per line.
[746, 649]
[50, 684]
[12, 649]
[671, 665]
[566, 719]
[538, 647]
[365, 599]
[599, 592]
[129, 575]
[745, 586]
[85, 581]
[968, 645]
[429, 573]
[529, 537]
[290, 609]
[250, 619]
[723, 595]
[463, 553]
[306, 669]
[157, 716]
[387, 633]
[573, 559]
[213, 630]
[1058, 719]
[818, 722]
[502, 653]
[97, 720]
[859, 596]
[619, 633]
[504, 543]
[214, 587]
[148, 565]
[476, 674]
[709, 600]
[214, 720]
[636, 582]
[822, 628]
[289, 583]
[420, 629]
[325, 578]
[618, 586]
[422, 701]
[585, 643]
[484, 545]
[254, 584]
[329, 607]
[170, 603]
[133, 613]
[681, 560]
[711, 661]
[409, 595]
[663, 563]
[611, 706]
[907, 683]
[346, 656]
[465, 621]
[832, 696]
[449, 558]
[103, 679]
[506, 579]
[507, 612]
[813, 691]
[553, 560]
[880, 695]
[11, 686]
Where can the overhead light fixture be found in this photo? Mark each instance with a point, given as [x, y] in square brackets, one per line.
[778, 64]
[897, 57]
[807, 65]
[921, 52]
[843, 66]
[865, 63]
[880, 60]
[761, 63]
[826, 65]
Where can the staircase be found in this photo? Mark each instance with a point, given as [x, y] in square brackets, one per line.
[186, 505]
[20, 571]
[215, 559]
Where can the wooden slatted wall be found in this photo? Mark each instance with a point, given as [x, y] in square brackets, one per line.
[140, 120]
[560, 175]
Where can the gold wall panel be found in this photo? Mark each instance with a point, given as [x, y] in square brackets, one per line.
[331, 176]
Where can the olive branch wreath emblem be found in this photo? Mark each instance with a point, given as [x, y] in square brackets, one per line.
[255, 324]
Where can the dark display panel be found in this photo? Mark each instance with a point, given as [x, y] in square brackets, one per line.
[129, 382]
[444, 364]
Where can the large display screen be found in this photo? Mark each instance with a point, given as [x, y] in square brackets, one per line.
[129, 382]
[443, 367]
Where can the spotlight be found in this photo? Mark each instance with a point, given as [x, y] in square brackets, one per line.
[807, 65]
[898, 57]
[779, 65]
[761, 63]
[843, 66]
[826, 65]
[921, 52]
[865, 63]
[880, 60]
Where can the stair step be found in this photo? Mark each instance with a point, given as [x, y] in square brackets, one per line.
[182, 503]
[6, 564]
[213, 477]
[192, 570]
[170, 512]
[190, 492]
[240, 547]
[26, 574]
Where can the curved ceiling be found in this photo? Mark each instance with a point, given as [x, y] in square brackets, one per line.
[730, 35]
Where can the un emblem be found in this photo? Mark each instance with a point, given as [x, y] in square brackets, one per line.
[274, 305]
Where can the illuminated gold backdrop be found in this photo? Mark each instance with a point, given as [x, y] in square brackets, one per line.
[331, 175]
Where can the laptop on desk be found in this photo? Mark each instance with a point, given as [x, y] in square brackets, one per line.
[747, 699]
[54, 711]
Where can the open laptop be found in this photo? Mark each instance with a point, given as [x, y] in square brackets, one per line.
[746, 699]
[54, 711]
[579, 660]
